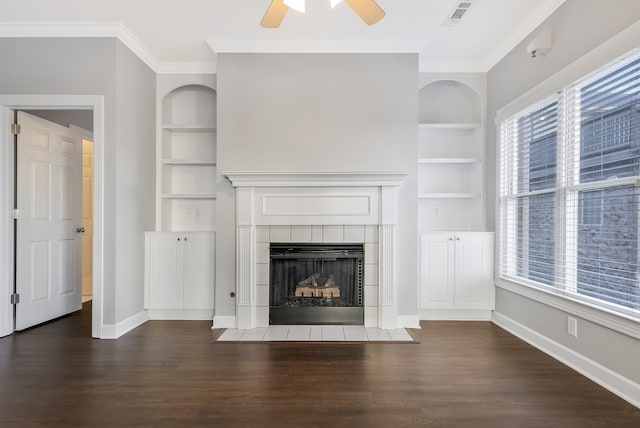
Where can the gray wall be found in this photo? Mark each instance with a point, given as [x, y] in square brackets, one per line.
[317, 112]
[97, 66]
[578, 26]
[134, 176]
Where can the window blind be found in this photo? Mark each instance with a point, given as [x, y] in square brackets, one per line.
[569, 190]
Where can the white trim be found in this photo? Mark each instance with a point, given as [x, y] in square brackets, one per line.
[180, 314]
[603, 54]
[455, 314]
[316, 179]
[316, 46]
[612, 381]
[408, 321]
[95, 103]
[224, 321]
[614, 321]
[102, 30]
[111, 331]
[6, 223]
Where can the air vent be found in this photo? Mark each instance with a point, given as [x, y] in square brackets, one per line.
[457, 14]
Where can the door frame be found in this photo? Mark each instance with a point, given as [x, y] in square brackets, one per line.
[9, 103]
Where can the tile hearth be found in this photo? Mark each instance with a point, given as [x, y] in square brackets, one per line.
[315, 333]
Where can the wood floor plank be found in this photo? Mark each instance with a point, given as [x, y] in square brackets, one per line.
[171, 373]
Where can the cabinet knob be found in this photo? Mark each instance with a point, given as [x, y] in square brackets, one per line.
[178, 239]
[457, 238]
[185, 238]
[450, 239]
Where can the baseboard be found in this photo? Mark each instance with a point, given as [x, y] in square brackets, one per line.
[408, 321]
[114, 331]
[180, 314]
[603, 376]
[222, 321]
[455, 314]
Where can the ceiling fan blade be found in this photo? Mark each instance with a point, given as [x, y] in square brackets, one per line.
[274, 14]
[368, 10]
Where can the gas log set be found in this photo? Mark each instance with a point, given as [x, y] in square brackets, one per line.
[316, 284]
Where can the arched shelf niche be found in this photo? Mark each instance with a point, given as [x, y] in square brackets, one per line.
[187, 167]
[190, 105]
[448, 102]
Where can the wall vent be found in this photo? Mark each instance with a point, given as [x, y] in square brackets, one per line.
[458, 13]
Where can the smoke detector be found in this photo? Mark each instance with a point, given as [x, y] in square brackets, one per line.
[458, 12]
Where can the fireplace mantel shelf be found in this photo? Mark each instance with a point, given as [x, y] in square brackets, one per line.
[316, 178]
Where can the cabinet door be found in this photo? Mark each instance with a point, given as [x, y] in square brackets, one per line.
[436, 270]
[165, 271]
[473, 278]
[199, 262]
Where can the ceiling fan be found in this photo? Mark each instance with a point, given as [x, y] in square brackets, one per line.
[368, 10]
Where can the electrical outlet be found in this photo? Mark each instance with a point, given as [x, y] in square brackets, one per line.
[572, 327]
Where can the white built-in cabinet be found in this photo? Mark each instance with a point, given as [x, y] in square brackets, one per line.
[456, 274]
[180, 275]
[455, 252]
[180, 262]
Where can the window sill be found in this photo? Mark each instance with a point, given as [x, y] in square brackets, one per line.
[620, 323]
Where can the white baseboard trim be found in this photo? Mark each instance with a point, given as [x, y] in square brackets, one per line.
[224, 321]
[180, 314]
[455, 314]
[114, 331]
[408, 321]
[614, 382]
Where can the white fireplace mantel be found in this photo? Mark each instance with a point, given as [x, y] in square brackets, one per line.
[316, 179]
[312, 199]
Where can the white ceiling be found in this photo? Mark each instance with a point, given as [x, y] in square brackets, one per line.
[185, 33]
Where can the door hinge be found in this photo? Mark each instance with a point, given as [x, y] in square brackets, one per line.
[15, 129]
[15, 298]
[15, 214]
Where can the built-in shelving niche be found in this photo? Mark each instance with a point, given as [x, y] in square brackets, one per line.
[450, 158]
[187, 162]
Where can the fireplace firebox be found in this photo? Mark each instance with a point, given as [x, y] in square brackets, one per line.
[316, 284]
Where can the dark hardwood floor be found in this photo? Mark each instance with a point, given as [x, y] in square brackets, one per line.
[169, 373]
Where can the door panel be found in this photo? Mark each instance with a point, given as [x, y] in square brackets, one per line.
[436, 270]
[474, 270]
[166, 271]
[198, 271]
[49, 200]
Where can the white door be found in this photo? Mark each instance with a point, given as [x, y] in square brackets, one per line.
[165, 270]
[436, 270]
[198, 268]
[474, 270]
[48, 253]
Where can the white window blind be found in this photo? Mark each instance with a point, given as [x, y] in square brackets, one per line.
[570, 190]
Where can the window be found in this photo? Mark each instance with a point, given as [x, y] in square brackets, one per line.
[570, 190]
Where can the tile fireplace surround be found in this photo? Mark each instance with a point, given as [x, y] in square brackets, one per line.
[354, 207]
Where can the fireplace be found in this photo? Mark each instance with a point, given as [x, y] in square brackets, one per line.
[315, 283]
[325, 207]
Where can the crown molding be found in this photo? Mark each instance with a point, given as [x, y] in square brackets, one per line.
[315, 46]
[103, 29]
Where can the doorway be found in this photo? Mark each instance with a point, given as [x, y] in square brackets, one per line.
[9, 104]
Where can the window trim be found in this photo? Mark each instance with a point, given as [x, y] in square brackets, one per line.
[619, 47]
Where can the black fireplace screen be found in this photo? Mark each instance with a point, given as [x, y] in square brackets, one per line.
[316, 283]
